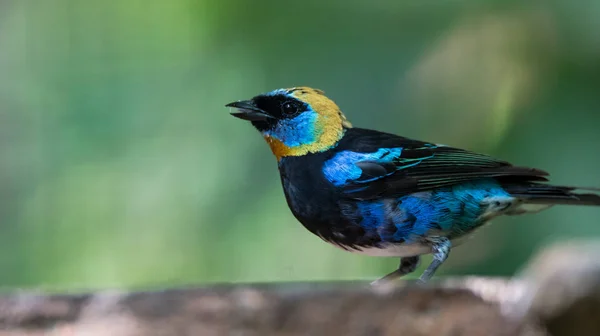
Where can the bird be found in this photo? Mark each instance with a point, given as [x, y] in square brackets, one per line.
[384, 195]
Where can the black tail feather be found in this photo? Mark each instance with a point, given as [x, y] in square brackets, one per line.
[537, 193]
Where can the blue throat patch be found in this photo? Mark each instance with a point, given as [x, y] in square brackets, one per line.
[298, 131]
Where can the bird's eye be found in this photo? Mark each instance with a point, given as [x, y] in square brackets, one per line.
[289, 108]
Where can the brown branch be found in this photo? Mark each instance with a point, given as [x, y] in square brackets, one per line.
[559, 293]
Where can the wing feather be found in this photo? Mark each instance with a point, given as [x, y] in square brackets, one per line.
[413, 166]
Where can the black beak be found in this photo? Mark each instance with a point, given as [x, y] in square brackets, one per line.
[248, 111]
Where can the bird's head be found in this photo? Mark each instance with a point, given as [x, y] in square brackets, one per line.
[294, 121]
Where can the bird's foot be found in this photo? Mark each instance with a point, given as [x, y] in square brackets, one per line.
[407, 265]
[440, 248]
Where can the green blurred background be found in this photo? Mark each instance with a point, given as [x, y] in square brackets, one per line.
[121, 167]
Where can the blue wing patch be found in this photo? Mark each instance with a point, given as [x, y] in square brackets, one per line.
[343, 166]
[348, 166]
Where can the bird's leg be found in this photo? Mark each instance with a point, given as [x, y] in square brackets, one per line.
[407, 265]
[440, 248]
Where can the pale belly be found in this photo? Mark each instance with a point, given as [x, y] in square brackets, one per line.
[402, 250]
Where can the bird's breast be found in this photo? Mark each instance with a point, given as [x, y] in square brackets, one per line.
[304, 200]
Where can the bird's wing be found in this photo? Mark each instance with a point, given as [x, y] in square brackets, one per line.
[414, 166]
